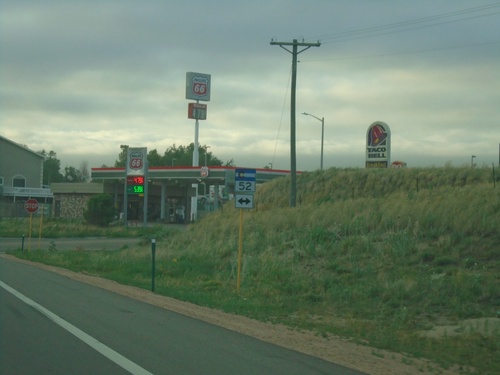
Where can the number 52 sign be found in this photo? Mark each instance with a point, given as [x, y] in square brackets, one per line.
[198, 86]
[244, 180]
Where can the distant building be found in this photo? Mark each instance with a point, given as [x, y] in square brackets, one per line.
[70, 199]
[21, 176]
[398, 164]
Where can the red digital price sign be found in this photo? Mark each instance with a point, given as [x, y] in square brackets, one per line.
[133, 180]
[135, 184]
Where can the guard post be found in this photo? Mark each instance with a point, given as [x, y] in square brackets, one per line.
[153, 253]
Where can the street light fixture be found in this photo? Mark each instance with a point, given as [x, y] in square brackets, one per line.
[206, 148]
[322, 119]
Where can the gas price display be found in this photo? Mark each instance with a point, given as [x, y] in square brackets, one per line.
[135, 184]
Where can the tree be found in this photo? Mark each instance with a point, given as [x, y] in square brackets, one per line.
[51, 167]
[183, 155]
[120, 163]
[84, 171]
[71, 174]
[178, 156]
[154, 158]
[100, 210]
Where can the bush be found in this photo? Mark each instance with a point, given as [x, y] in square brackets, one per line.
[100, 210]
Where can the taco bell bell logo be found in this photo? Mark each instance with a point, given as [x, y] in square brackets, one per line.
[378, 145]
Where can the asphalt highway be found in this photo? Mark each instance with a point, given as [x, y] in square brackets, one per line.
[50, 324]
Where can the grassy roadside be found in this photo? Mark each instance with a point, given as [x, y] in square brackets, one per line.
[372, 255]
[63, 228]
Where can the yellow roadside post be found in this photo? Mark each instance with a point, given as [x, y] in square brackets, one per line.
[31, 206]
[40, 228]
[240, 251]
[244, 188]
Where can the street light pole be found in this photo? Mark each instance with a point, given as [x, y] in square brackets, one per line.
[322, 119]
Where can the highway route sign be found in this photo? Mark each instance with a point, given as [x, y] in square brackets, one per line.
[244, 180]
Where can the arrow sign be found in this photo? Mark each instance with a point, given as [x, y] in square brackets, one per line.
[243, 200]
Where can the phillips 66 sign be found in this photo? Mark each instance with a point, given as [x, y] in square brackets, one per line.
[198, 86]
[136, 161]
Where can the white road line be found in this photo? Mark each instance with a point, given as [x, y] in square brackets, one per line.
[89, 340]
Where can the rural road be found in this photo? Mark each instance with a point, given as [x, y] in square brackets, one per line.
[52, 324]
[87, 243]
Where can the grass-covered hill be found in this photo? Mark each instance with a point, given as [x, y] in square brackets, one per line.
[387, 257]
[380, 255]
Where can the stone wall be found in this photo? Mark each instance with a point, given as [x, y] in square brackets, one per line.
[73, 205]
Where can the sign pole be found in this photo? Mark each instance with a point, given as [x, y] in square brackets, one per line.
[197, 88]
[196, 163]
[136, 178]
[31, 206]
[29, 236]
[146, 192]
[40, 229]
[125, 194]
[244, 188]
[240, 251]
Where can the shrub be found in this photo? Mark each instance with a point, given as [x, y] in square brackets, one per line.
[100, 210]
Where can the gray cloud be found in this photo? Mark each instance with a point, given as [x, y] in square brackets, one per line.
[80, 78]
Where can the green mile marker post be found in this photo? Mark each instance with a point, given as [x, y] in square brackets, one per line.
[153, 251]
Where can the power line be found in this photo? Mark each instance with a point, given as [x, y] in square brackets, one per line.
[282, 113]
[418, 23]
[403, 53]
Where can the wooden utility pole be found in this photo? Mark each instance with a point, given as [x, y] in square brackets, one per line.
[293, 155]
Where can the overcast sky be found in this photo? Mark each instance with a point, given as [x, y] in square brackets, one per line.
[83, 77]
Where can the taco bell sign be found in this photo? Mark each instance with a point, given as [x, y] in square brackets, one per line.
[378, 145]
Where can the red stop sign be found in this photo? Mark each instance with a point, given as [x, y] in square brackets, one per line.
[31, 205]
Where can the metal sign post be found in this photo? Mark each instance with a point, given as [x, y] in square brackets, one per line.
[31, 206]
[137, 176]
[240, 251]
[244, 189]
[197, 88]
